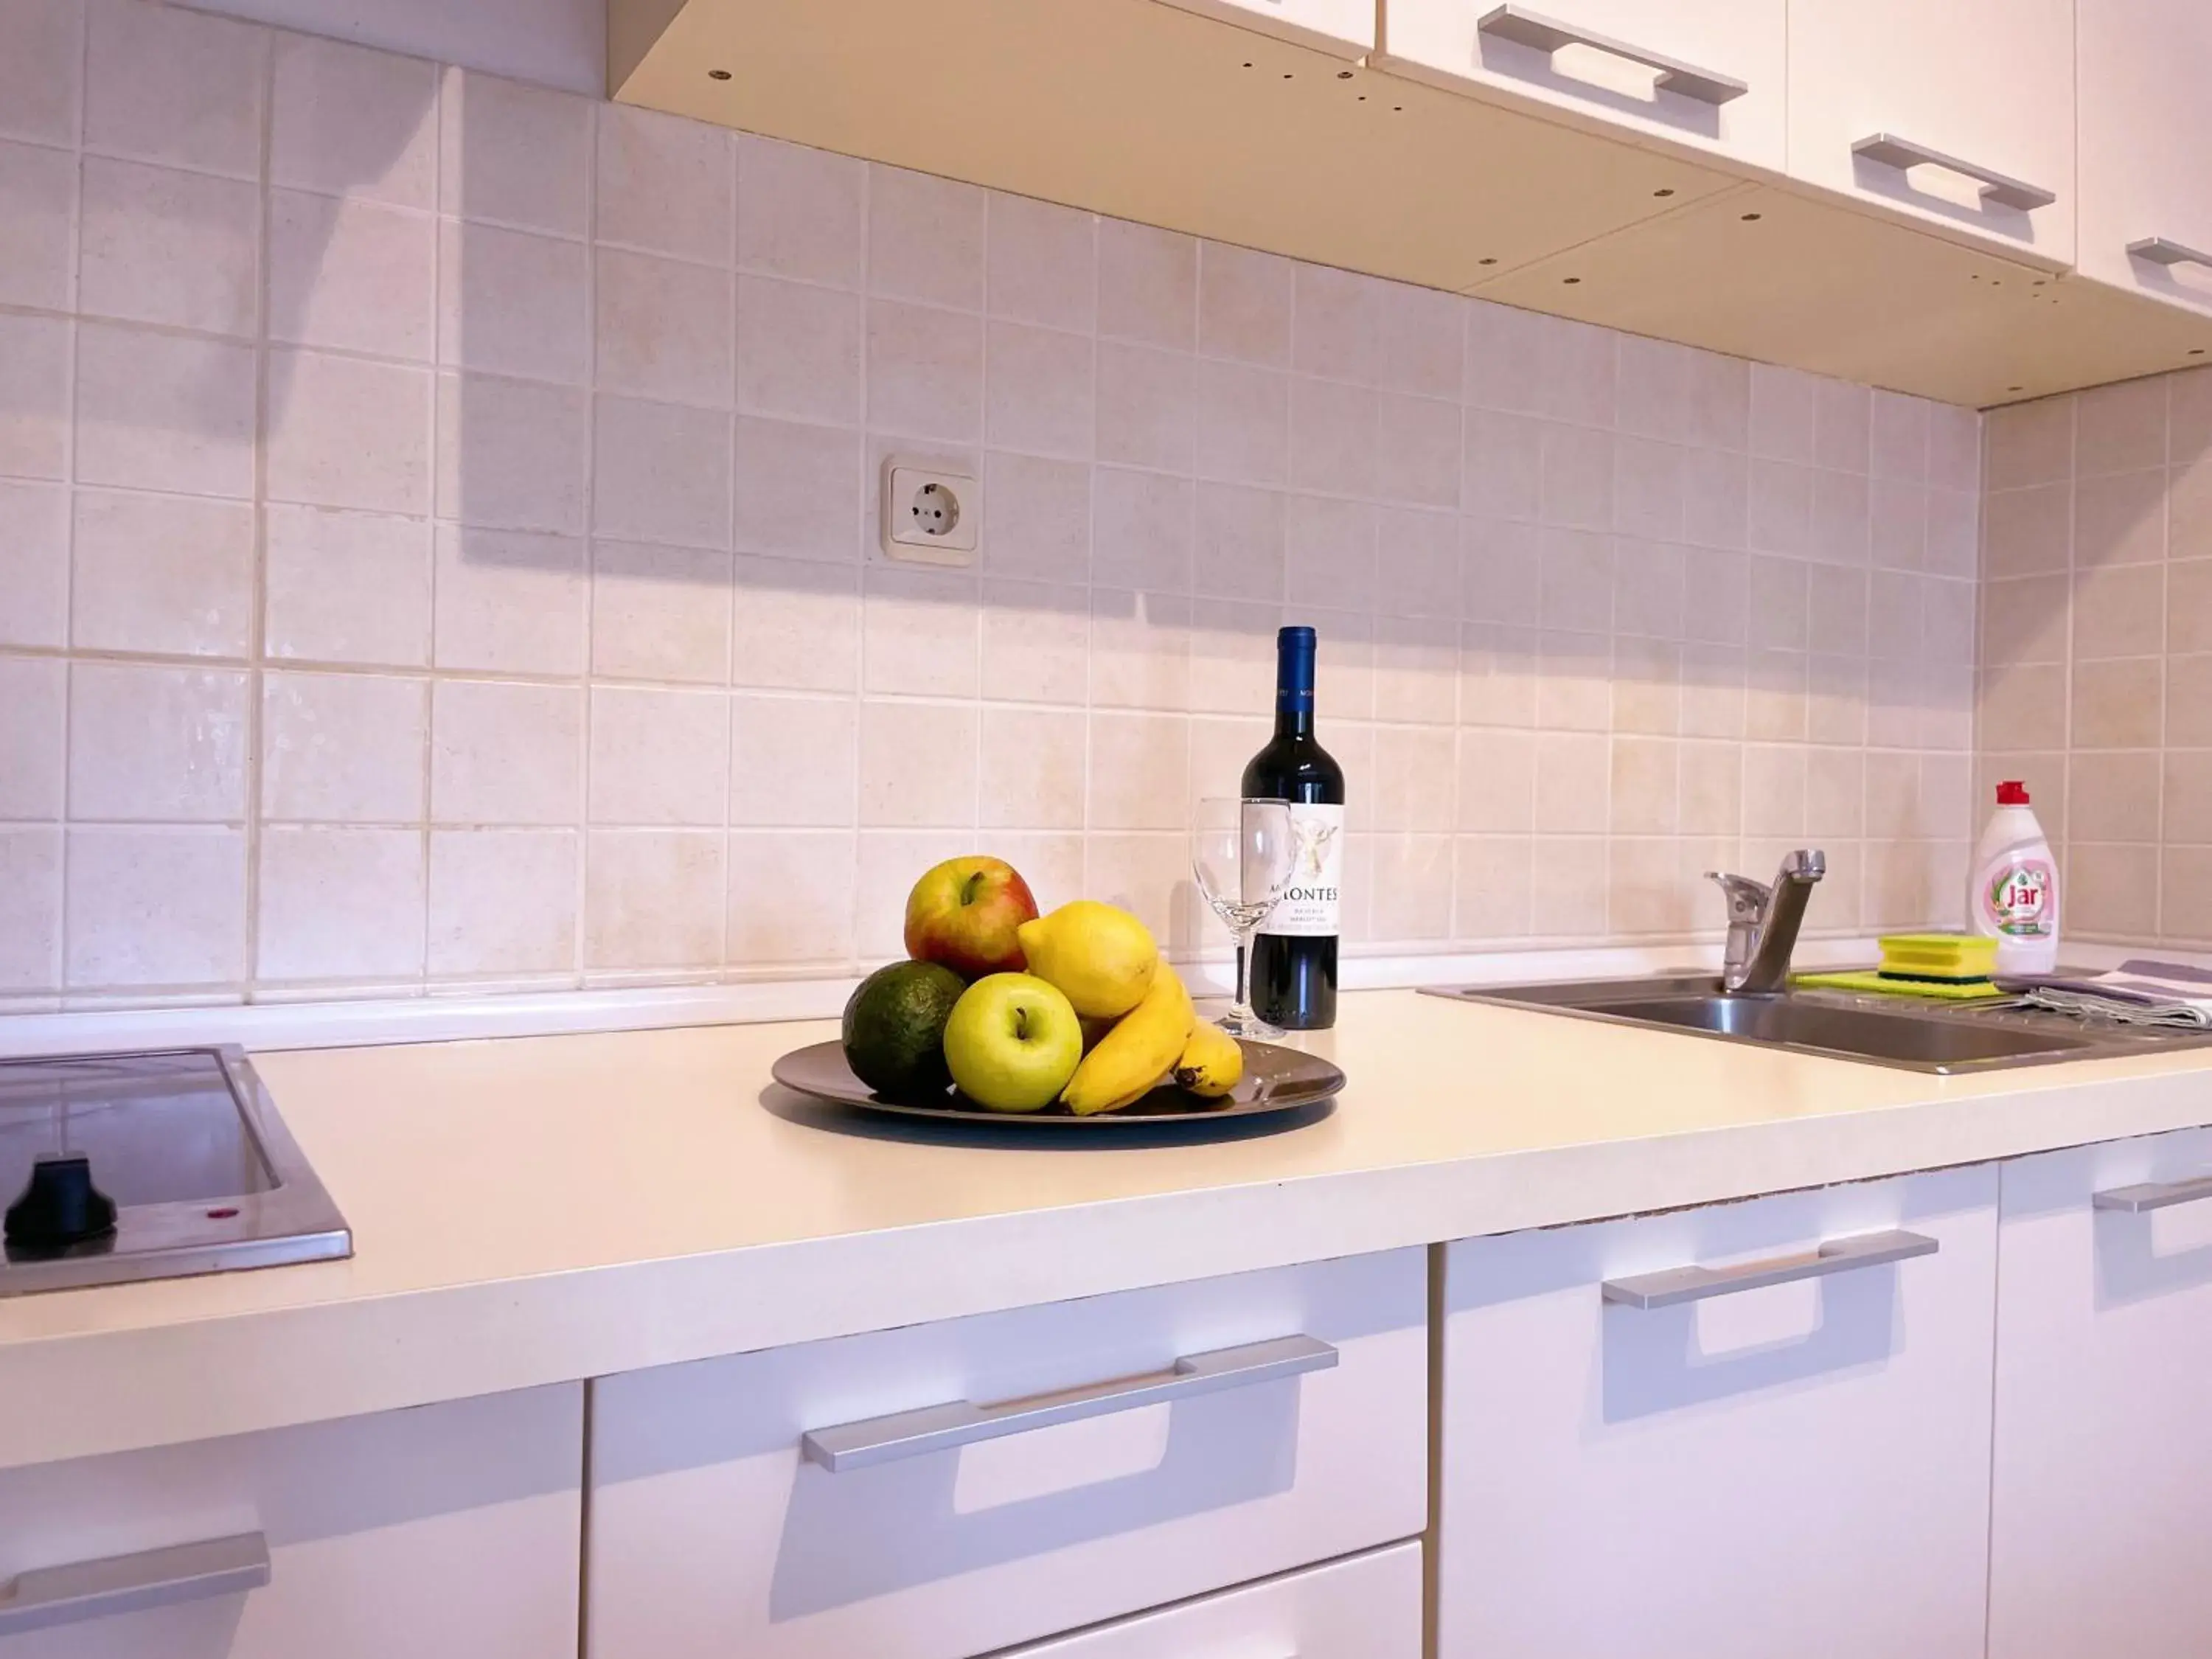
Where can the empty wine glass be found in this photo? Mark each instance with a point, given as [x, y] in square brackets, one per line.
[1242, 856]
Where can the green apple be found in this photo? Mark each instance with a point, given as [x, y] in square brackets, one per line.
[1013, 1042]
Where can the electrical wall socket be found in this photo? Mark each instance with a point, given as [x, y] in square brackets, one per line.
[931, 511]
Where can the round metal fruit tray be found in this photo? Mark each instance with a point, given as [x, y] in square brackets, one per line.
[1276, 1079]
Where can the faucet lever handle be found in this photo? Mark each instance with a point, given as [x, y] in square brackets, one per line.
[1747, 899]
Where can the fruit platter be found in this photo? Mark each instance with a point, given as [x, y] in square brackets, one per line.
[1066, 1017]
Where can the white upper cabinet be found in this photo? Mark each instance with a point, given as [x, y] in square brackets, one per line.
[1961, 113]
[1708, 74]
[2103, 1491]
[1344, 26]
[2145, 132]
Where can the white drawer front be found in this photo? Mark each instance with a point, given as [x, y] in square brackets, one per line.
[712, 1535]
[2103, 1490]
[1366, 1608]
[1797, 1469]
[451, 1532]
[1708, 74]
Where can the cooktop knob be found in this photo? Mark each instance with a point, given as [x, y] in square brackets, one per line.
[59, 1208]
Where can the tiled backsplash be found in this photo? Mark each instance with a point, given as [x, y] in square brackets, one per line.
[436, 548]
[2098, 620]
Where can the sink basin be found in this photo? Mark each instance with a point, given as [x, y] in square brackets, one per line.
[1945, 1038]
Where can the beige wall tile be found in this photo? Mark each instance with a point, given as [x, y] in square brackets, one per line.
[512, 303]
[1568, 883]
[34, 396]
[1140, 766]
[799, 212]
[799, 351]
[2119, 611]
[1577, 478]
[33, 703]
[925, 372]
[345, 433]
[513, 454]
[514, 155]
[1040, 395]
[2114, 796]
[352, 587]
[1646, 786]
[2030, 532]
[1335, 315]
[667, 328]
[1244, 424]
[2185, 894]
[34, 563]
[506, 754]
[2189, 606]
[665, 185]
[1245, 306]
[1416, 670]
[1148, 284]
[2109, 892]
[661, 473]
[41, 70]
[653, 898]
[659, 757]
[661, 613]
[1646, 893]
[160, 744]
[1899, 437]
[163, 84]
[796, 625]
[156, 411]
[2188, 415]
[349, 121]
[503, 902]
[1774, 793]
[158, 908]
[918, 766]
[1711, 786]
[166, 573]
[925, 239]
[1146, 407]
[38, 203]
[1490, 887]
[1410, 889]
[1417, 451]
[2119, 519]
[798, 491]
[1783, 402]
[1329, 554]
[1413, 779]
[30, 902]
[791, 898]
[920, 633]
[2030, 443]
[2027, 619]
[793, 761]
[510, 603]
[342, 904]
[1842, 521]
[1573, 774]
[1419, 341]
[355, 275]
[1143, 530]
[343, 748]
[2024, 708]
[1042, 263]
[2118, 429]
[2117, 704]
[2187, 797]
[2189, 701]
[1033, 769]
[1036, 642]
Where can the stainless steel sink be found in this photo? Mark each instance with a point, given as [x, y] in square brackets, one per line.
[1940, 1037]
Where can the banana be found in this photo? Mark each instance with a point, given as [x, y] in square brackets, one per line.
[1212, 1061]
[1137, 1053]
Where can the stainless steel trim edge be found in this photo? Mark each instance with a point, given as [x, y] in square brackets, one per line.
[1679, 1285]
[2004, 190]
[960, 1423]
[47, 1596]
[1527, 28]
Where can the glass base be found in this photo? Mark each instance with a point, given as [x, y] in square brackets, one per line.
[1243, 1023]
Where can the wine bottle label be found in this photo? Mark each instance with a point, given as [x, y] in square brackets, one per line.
[1310, 906]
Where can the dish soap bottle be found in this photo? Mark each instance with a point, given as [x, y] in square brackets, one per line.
[2014, 896]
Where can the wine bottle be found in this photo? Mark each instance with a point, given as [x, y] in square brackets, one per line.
[1293, 966]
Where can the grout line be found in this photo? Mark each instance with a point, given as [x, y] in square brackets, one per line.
[256, 721]
[62, 940]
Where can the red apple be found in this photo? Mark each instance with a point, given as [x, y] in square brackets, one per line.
[963, 914]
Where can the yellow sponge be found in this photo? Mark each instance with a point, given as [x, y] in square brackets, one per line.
[1947, 959]
[1948, 990]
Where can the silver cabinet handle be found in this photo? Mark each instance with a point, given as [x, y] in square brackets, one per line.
[2153, 1195]
[131, 1583]
[939, 1428]
[1525, 27]
[2005, 191]
[1664, 1290]
[2160, 252]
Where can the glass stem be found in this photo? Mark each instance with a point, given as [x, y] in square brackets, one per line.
[1243, 1003]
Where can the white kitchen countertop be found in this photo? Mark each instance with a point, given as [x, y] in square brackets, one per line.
[546, 1208]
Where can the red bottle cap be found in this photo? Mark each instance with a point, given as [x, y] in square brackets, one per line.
[2012, 792]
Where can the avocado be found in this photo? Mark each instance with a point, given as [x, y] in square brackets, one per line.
[894, 1029]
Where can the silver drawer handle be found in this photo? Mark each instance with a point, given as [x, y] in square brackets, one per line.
[2160, 252]
[2153, 1195]
[1525, 27]
[2003, 189]
[47, 1596]
[1664, 1290]
[939, 1428]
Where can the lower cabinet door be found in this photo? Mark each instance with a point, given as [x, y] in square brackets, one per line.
[1738, 1432]
[448, 1532]
[2103, 1492]
[955, 1488]
[1366, 1608]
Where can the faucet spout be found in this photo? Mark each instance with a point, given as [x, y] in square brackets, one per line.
[1764, 922]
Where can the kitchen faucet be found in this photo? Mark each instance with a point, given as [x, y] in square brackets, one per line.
[1763, 922]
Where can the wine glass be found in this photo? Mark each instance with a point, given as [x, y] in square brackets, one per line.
[1242, 856]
